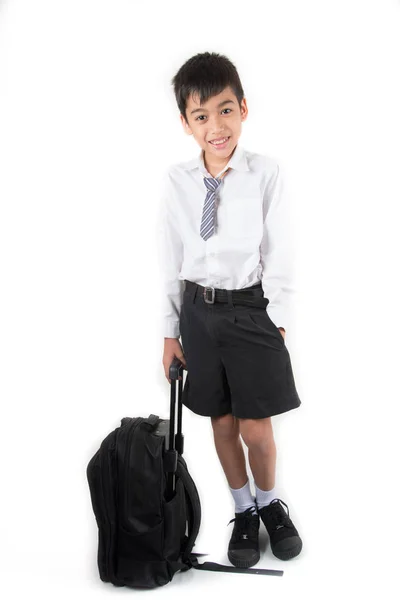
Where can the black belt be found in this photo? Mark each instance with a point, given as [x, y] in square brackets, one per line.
[246, 296]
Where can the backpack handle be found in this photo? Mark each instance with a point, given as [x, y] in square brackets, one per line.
[151, 420]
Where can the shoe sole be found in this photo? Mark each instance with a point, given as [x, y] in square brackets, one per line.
[244, 563]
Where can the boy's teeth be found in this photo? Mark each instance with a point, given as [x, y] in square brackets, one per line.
[220, 141]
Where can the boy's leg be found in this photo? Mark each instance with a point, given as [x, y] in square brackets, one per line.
[243, 547]
[230, 450]
[284, 537]
[258, 436]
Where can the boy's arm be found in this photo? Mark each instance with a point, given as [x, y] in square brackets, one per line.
[170, 256]
[276, 251]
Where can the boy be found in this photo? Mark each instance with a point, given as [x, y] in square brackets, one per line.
[225, 256]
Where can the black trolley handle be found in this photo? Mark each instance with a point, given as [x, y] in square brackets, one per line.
[175, 445]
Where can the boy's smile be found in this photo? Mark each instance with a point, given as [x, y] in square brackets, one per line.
[219, 118]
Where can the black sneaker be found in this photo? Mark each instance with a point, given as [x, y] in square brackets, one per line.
[284, 537]
[243, 549]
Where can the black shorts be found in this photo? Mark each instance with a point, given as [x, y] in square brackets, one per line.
[236, 359]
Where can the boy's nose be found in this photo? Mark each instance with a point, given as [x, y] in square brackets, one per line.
[216, 127]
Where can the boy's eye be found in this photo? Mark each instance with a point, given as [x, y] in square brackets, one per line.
[230, 110]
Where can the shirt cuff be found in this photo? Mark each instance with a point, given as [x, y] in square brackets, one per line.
[171, 329]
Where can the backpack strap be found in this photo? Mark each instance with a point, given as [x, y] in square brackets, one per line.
[192, 561]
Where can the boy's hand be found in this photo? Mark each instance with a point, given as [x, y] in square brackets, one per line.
[282, 331]
[172, 349]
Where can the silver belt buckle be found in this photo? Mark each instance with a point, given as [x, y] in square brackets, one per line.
[206, 298]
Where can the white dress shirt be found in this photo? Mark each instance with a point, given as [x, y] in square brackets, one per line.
[251, 242]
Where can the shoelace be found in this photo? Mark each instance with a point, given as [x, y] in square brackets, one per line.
[245, 523]
[277, 514]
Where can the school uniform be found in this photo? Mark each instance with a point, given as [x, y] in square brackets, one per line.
[226, 296]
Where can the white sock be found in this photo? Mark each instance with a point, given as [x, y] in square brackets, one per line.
[243, 498]
[263, 498]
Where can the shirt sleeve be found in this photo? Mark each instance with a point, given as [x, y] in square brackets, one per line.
[170, 256]
[276, 250]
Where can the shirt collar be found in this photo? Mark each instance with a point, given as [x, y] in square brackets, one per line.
[237, 161]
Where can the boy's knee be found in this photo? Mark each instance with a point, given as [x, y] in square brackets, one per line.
[256, 432]
[225, 425]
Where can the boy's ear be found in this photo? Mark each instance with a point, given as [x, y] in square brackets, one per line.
[244, 111]
[186, 127]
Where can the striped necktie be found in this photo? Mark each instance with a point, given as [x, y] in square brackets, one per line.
[208, 219]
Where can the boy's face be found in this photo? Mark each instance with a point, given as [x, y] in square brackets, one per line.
[220, 117]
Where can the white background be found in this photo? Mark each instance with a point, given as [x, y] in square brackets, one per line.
[88, 123]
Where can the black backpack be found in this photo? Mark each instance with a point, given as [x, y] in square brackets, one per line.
[145, 502]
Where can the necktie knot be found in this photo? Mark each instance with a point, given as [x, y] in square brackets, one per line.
[212, 183]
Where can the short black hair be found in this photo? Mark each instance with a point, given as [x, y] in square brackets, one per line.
[206, 74]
